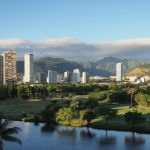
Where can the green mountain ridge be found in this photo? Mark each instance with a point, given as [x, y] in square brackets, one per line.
[103, 67]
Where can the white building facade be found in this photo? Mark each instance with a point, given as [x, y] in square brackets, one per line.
[119, 72]
[28, 68]
[84, 77]
[52, 76]
[76, 76]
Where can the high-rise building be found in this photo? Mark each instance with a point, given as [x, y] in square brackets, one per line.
[84, 77]
[118, 72]
[52, 76]
[39, 78]
[76, 77]
[1, 69]
[9, 70]
[28, 68]
[59, 78]
[67, 76]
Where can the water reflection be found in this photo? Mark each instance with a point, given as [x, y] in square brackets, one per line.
[134, 140]
[106, 140]
[67, 132]
[46, 136]
[48, 128]
[86, 134]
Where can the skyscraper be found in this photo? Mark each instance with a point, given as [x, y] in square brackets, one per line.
[28, 68]
[9, 63]
[1, 69]
[76, 76]
[52, 76]
[118, 72]
[59, 78]
[84, 77]
[67, 76]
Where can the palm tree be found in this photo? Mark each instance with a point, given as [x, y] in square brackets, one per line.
[5, 133]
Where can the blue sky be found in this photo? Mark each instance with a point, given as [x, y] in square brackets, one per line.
[87, 20]
[76, 29]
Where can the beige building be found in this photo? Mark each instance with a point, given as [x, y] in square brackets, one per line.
[9, 64]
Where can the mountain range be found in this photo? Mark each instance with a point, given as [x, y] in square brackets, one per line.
[104, 67]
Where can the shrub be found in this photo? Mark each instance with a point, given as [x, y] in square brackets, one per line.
[133, 118]
[142, 99]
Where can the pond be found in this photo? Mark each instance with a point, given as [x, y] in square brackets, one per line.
[42, 137]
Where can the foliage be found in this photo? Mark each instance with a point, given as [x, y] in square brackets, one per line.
[78, 123]
[120, 96]
[133, 118]
[131, 92]
[91, 104]
[6, 133]
[106, 112]
[99, 96]
[66, 114]
[74, 104]
[87, 115]
[48, 114]
[142, 99]
[113, 86]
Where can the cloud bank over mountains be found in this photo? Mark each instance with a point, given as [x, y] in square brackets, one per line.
[74, 49]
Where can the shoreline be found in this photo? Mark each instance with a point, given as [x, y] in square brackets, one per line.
[111, 126]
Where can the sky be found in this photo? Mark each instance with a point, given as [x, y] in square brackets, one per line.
[76, 25]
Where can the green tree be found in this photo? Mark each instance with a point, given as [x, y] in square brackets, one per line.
[74, 104]
[49, 113]
[87, 115]
[131, 92]
[66, 114]
[91, 104]
[142, 99]
[134, 118]
[106, 112]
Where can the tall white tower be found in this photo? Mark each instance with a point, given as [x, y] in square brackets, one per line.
[28, 68]
[84, 77]
[119, 72]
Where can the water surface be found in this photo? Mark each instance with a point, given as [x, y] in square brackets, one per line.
[42, 137]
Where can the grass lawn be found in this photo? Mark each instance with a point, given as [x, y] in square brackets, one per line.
[118, 123]
[16, 107]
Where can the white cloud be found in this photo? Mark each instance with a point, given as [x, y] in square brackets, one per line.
[79, 50]
[13, 43]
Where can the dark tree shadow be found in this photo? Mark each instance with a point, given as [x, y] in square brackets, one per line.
[67, 132]
[107, 140]
[48, 128]
[133, 140]
[86, 134]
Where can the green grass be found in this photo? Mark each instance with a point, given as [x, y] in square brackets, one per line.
[119, 124]
[17, 107]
